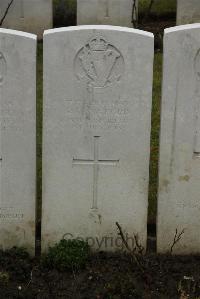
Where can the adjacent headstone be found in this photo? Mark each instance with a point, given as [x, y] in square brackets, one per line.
[107, 12]
[179, 186]
[188, 11]
[97, 121]
[17, 139]
[32, 16]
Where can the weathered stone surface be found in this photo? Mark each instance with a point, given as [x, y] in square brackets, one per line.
[179, 191]
[17, 139]
[105, 12]
[188, 11]
[97, 119]
[32, 16]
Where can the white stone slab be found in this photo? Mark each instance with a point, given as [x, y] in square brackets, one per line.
[17, 139]
[188, 11]
[105, 12]
[179, 182]
[32, 16]
[97, 119]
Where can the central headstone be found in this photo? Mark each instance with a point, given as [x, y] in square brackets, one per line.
[97, 119]
[107, 12]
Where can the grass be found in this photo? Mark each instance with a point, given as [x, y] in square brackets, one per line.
[160, 7]
[154, 137]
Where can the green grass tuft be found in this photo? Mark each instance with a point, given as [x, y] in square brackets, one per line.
[155, 129]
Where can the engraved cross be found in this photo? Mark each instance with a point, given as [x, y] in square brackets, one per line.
[107, 9]
[96, 162]
[21, 9]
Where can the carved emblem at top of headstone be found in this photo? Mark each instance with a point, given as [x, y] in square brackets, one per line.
[2, 68]
[99, 63]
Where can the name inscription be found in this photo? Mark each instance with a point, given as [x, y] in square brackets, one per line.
[8, 214]
[98, 114]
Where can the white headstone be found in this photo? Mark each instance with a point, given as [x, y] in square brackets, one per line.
[188, 11]
[179, 186]
[17, 139]
[97, 119]
[106, 12]
[32, 16]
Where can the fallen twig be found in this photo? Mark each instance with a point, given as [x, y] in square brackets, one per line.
[177, 238]
[132, 252]
[138, 247]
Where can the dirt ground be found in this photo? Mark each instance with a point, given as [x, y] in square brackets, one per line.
[105, 277]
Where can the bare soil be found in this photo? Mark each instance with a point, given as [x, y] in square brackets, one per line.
[105, 276]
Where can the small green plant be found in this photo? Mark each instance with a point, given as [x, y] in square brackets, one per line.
[4, 278]
[67, 255]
